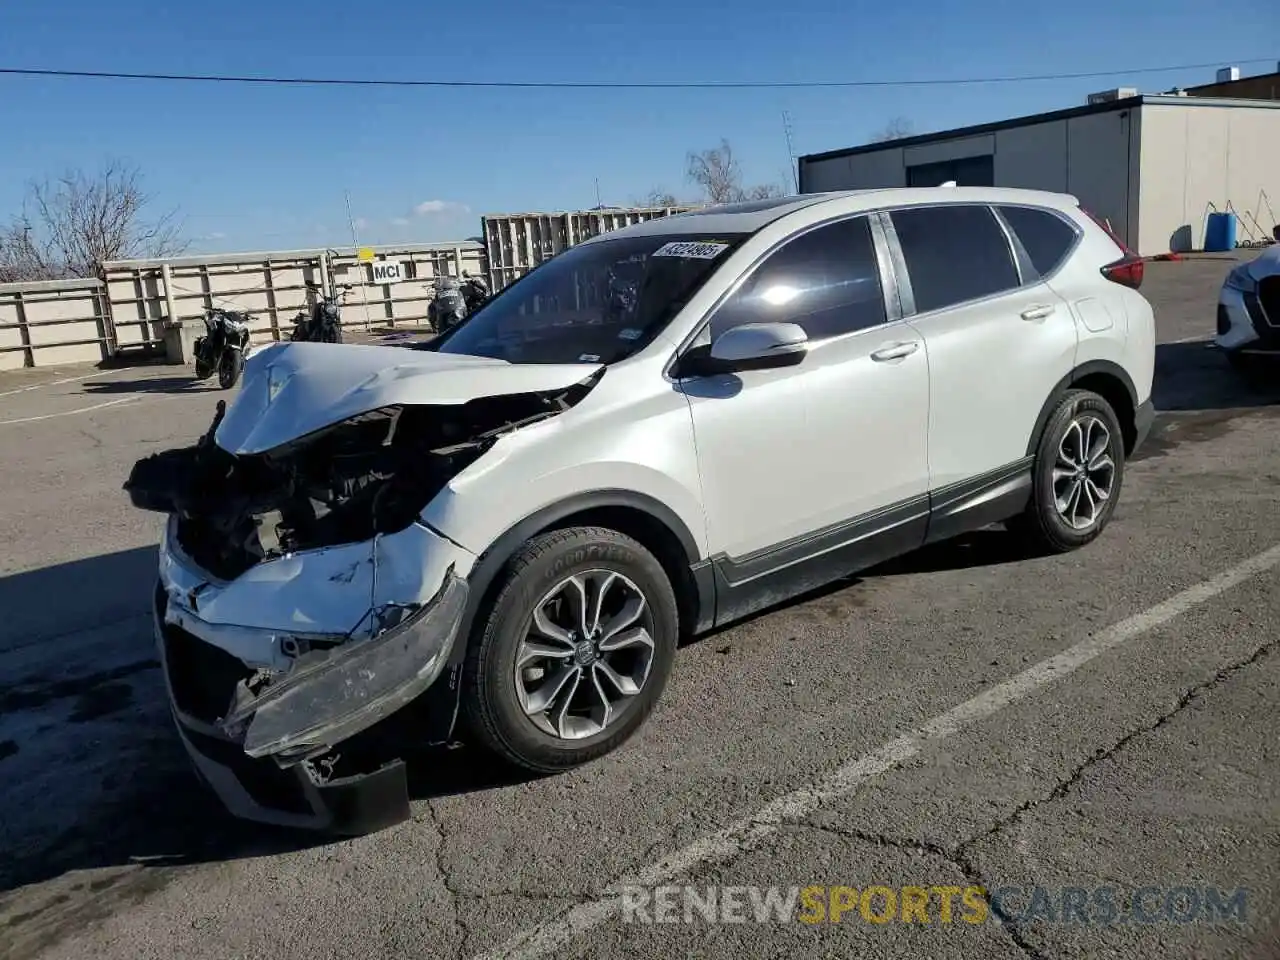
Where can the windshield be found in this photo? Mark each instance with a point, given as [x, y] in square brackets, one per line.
[594, 303]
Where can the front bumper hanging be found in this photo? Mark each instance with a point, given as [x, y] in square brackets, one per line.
[282, 751]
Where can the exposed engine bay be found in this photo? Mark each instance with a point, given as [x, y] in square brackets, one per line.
[371, 474]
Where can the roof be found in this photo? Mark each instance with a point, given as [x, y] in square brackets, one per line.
[1081, 111]
[747, 218]
[1221, 88]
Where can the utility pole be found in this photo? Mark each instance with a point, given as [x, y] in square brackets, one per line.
[355, 243]
[791, 153]
[355, 240]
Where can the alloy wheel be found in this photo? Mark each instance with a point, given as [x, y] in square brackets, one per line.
[1084, 473]
[587, 652]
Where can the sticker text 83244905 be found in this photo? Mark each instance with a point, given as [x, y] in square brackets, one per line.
[698, 250]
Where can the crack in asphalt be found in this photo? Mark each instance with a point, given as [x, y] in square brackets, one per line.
[446, 880]
[960, 856]
[1063, 787]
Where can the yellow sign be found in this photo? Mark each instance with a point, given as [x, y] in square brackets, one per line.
[365, 254]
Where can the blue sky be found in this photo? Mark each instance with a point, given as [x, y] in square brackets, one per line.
[254, 167]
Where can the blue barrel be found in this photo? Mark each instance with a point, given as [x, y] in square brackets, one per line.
[1220, 233]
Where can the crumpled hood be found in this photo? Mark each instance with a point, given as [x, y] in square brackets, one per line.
[293, 389]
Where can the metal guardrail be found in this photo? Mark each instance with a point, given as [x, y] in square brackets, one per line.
[53, 321]
[129, 306]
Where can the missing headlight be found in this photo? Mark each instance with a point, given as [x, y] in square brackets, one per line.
[367, 475]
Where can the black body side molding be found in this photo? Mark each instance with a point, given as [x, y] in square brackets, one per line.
[740, 586]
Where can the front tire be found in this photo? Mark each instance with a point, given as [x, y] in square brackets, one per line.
[574, 652]
[1076, 478]
[229, 369]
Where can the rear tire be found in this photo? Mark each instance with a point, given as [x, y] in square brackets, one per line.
[547, 715]
[1076, 477]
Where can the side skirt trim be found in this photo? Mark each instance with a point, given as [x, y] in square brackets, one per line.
[975, 503]
[730, 588]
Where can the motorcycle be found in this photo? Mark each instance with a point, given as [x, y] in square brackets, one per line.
[223, 346]
[324, 323]
[474, 291]
[449, 306]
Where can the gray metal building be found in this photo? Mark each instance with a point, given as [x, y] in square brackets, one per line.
[1155, 166]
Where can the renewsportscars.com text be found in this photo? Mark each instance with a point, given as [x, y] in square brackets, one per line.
[934, 904]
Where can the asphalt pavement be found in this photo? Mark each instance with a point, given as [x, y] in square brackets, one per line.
[1091, 739]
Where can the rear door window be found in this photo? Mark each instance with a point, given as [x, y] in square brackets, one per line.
[1046, 237]
[954, 254]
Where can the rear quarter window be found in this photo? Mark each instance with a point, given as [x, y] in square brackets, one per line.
[1046, 237]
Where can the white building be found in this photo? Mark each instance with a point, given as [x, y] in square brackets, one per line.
[1154, 166]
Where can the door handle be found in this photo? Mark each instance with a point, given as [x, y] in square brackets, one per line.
[1038, 312]
[895, 351]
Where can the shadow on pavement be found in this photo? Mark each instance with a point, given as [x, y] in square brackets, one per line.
[1196, 377]
[175, 384]
[94, 775]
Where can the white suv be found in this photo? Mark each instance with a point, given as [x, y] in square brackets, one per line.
[507, 531]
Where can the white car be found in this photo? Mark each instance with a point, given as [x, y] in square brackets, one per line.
[1249, 309]
[503, 535]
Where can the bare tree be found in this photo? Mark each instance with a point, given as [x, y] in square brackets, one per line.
[660, 198]
[71, 225]
[717, 173]
[895, 129]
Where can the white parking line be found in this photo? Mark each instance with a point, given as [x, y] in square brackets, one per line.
[54, 383]
[68, 413]
[561, 929]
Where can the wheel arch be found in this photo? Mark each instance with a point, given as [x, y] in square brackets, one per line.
[648, 521]
[1105, 378]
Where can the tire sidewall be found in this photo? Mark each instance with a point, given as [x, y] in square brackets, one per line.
[1073, 405]
[490, 687]
[229, 368]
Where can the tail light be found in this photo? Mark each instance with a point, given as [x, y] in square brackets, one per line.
[1127, 271]
[1130, 268]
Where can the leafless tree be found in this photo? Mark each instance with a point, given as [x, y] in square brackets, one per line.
[70, 225]
[717, 174]
[895, 129]
[660, 198]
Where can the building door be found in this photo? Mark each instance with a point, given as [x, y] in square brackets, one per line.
[966, 172]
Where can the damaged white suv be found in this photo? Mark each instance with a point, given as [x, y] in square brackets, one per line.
[503, 534]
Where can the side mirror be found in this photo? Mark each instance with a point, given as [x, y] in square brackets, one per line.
[750, 346]
[755, 346]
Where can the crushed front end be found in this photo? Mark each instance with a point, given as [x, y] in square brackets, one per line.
[304, 612]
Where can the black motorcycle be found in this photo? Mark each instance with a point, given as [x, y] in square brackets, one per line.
[448, 307]
[475, 292]
[223, 346]
[324, 323]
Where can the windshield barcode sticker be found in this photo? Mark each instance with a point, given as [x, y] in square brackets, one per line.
[686, 248]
